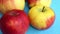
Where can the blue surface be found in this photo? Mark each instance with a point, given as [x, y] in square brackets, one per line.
[55, 28]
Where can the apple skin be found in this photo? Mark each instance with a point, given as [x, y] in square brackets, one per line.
[6, 5]
[33, 3]
[14, 22]
[39, 19]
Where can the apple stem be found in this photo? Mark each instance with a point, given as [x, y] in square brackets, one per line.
[43, 9]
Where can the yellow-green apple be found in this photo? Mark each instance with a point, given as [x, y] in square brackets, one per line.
[38, 2]
[41, 17]
[6, 5]
[14, 22]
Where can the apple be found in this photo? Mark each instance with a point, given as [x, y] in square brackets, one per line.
[14, 22]
[39, 2]
[6, 5]
[41, 17]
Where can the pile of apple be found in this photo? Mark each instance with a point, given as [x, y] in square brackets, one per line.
[15, 20]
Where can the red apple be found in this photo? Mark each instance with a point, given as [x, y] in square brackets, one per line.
[14, 22]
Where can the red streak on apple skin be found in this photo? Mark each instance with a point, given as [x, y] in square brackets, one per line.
[14, 24]
[0, 1]
[50, 21]
[3, 1]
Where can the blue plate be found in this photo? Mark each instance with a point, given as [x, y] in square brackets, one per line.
[54, 29]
